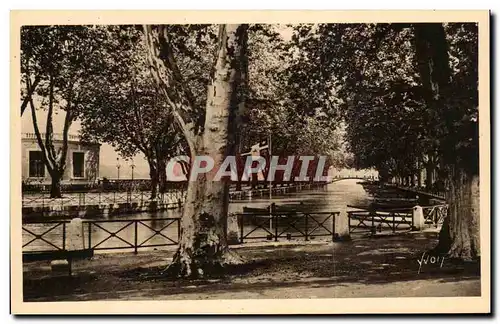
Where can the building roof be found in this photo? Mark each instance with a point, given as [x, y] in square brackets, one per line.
[58, 137]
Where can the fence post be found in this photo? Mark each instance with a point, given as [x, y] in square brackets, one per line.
[349, 222]
[307, 221]
[275, 228]
[373, 230]
[178, 230]
[240, 223]
[394, 222]
[90, 234]
[64, 237]
[232, 229]
[334, 215]
[418, 217]
[135, 236]
[99, 196]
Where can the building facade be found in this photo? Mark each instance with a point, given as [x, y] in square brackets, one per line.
[82, 160]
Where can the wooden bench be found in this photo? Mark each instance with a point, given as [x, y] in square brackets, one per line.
[58, 255]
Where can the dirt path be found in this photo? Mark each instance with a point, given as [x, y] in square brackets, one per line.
[377, 267]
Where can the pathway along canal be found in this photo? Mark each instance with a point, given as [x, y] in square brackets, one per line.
[333, 197]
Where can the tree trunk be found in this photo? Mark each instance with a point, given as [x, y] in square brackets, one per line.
[203, 246]
[412, 180]
[429, 173]
[55, 186]
[153, 174]
[162, 176]
[459, 236]
[203, 238]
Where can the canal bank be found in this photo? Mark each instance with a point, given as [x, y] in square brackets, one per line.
[104, 205]
[320, 215]
[319, 204]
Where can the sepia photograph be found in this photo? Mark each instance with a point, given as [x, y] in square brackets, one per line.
[279, 162]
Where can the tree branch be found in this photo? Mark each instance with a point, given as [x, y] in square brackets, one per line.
[67, 123]
[39, 137]
[30, 90]
[167, 54]
[167, 85]
[49, 145]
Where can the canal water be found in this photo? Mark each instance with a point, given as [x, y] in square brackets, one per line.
[319, 202]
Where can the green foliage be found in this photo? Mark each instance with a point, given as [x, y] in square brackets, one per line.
[368, 76]
[274, 105]
[70, 55]
[126, 110]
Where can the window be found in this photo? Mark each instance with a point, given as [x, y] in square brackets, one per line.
[78, 164]
[37, 168]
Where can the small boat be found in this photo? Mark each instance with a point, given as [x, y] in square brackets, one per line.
[395, 205]
[276, 209]
[253, 210]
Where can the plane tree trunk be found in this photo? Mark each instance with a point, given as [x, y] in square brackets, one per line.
[203, 249]
[459, 236]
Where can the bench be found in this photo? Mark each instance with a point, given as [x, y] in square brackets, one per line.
[58, 255]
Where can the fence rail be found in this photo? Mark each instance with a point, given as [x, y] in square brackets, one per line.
[98, 198]
[430, 192]
[396, 220]
[127, 232]
[435, 214]
[286, 225]
[116, 197]
[135, 234]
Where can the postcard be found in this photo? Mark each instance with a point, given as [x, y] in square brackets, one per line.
[250, 162]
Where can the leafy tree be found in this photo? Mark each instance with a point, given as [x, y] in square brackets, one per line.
[126, 110]
[209, 128]
[274, 106]
[453, 98]
[408, 94]
[58, 64]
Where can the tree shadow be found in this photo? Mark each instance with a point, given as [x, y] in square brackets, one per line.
[364, 261]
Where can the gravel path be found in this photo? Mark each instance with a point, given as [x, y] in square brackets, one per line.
[367, 267]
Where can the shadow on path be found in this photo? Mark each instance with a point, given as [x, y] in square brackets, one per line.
[378, 261]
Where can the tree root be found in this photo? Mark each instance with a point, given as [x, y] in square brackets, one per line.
[185, 266]
[232, 258]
